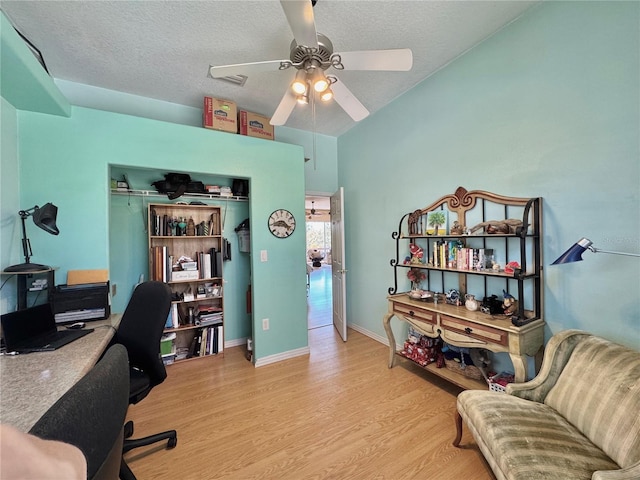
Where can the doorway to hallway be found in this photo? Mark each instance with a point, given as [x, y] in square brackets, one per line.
[318, 232]
[319, 300]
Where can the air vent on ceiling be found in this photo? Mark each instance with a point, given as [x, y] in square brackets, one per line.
[235, 79]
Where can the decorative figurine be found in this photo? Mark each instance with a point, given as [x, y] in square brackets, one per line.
[510, 304]
[511, 267]
[416, 253]
[453, 297]
[456, 228]
[191, 228]
[498, 226]
[415, 223]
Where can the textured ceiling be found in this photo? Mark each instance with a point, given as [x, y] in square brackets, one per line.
[162, 49]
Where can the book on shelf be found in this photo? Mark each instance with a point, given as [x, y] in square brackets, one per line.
[206, 265]
[175, 317]
[220, 330]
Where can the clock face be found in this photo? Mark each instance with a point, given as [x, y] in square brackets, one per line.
[281, 223]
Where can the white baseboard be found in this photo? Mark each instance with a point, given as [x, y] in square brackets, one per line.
[236, 342]
[278, 357]
[374, 336]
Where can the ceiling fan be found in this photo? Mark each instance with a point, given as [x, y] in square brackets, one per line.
[312, 211]
[311, 54]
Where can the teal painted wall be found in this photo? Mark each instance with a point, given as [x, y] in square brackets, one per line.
[321, 171]
[320, 176]
[10, 234]
[67, 162]
[549, 107]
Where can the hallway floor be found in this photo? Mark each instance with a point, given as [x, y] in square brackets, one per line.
[319, 300]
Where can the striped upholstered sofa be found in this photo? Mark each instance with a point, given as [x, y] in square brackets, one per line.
[578, 419]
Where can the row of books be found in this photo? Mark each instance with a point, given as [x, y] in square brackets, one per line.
[165, 225]
[207, 341]
[208, 265]
[453, 254]
[203, 316]
[208, 315]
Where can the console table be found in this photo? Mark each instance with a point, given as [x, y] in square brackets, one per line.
[462, 328]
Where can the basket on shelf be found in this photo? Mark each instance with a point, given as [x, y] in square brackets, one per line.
[499, 382]
[469, 371]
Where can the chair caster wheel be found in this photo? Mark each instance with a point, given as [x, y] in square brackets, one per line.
[128, 429]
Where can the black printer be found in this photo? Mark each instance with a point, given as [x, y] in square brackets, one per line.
[86, 301]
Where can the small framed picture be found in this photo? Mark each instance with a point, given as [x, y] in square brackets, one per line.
[437, 222]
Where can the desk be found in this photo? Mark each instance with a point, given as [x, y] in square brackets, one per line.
[32, 383]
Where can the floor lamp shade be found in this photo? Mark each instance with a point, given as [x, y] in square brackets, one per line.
[574, 254]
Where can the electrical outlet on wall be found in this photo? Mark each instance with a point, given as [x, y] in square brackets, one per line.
[265, 324]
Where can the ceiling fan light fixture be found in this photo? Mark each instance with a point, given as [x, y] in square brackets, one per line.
[303, 98]
[319, 81]
[321, 85]
[327, 95]
[299, 85]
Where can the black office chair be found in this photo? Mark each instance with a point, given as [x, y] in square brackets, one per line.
[91, 415]
[140, 332]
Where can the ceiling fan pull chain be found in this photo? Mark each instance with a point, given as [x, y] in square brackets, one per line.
[313, 116]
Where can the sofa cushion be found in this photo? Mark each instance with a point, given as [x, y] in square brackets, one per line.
[529, 440]
[597, 390]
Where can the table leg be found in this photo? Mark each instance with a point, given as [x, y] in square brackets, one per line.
[520, 367]
[392, 341]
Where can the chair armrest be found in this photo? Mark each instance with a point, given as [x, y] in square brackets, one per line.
[629, 473]
[556, 354]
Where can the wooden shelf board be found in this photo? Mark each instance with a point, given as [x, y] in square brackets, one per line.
[182, 360]
[451, 376]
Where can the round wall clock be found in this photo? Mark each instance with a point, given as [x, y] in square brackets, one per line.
[282, 223]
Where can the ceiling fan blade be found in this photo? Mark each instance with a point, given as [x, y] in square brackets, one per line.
[400, 60]
[300, 17]
[284, 109]
[348, 101]
[244, 68]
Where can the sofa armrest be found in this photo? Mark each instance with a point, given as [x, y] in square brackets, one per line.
[556, 354]
[629, 473]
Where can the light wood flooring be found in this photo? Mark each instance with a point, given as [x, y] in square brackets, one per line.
[338, 413]
[319, 299]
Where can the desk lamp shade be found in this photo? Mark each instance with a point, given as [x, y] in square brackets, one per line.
[45, 218]
[574, 254]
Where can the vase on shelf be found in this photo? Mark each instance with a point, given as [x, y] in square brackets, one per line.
[470, 302]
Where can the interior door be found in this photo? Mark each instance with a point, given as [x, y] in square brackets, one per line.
[338, 268]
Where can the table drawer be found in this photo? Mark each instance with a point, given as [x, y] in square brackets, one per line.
[474, 330]
[412, 313]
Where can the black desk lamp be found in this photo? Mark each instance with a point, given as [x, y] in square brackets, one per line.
[574, 254]
[45, 218]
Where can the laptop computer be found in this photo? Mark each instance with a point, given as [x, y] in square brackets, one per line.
[34, 330]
